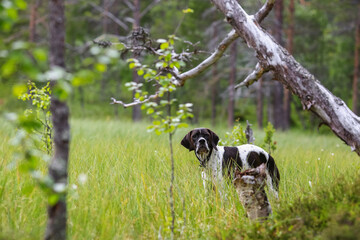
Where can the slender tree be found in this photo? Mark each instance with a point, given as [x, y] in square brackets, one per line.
[232, 79]
[356, 65]
[34, 5]
[289, 46]
[58, 168]
[136, 114]
[277, 88]
[260, 104]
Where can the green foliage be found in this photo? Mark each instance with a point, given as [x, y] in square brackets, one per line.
[269, 144]
[9, 13]
[40, 100]
[235, 138]
[29, 157]
[160, 111]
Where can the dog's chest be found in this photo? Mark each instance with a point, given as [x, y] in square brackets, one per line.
[215, 163]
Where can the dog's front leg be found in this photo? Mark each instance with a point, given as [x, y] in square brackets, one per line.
[204, 178]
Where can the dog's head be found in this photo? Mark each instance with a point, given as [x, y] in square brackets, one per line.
[202, 141]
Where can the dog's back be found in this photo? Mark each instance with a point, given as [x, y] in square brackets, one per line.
[249, 156]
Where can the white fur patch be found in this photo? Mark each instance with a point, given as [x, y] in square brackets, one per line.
[244, 151]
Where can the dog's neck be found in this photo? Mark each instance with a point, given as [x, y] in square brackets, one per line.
[204, 158]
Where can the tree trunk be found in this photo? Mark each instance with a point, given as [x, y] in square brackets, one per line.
[260, 104]
[232, 79]
[136, 114]
[32, 22]
[290, 46]
[214, 86]
[356, 65]
[277, 88]
[214, 95]
[272, 57]
[58, 168]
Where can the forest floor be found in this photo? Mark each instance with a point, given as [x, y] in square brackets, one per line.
[119, 178]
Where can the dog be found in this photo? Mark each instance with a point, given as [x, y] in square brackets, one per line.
[222, 161]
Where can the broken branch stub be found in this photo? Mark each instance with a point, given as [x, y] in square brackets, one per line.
[250, 186]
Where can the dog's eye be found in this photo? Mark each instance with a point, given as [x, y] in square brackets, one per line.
[206, 137]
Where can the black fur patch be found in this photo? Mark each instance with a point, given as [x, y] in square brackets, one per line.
[231, 159]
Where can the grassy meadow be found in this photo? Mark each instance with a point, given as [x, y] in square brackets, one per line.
[119, 189]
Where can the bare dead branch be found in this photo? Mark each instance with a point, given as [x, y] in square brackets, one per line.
[264, 10]
[136, 102]
[214, 57]
[111, 16]
[129, 5]
[253, 76]
[224, 44]
[250, 187]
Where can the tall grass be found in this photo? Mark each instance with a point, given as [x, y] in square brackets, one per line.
[125, 195]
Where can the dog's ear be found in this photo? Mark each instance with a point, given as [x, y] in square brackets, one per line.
[187, 142]
[214, 139]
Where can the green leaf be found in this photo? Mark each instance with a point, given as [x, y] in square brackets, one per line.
[132, 65]
[29, 122]
[188, 10]
[150, 111]
[53, 199]
[19, 89]
[164, 45]
[183, 125]
[83, 77]
[101, 67]
[21, 4]
[140, 72]
[62, 90]
[156, 122]
[40, 55]
[9, 67]
[119, 46]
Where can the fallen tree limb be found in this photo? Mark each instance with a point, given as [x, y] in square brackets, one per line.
[313, 95]
[264, 10]
[136, 102]
[250, 186]
[253, 76]
[214, 57]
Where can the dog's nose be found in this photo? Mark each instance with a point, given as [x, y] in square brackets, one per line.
[202, 141]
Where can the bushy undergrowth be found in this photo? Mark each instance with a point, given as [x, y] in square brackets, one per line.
[119, 178]
[330, 212]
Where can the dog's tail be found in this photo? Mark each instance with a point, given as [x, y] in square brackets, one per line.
[274, 172]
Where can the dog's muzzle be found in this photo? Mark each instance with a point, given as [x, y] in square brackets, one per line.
[202, 151]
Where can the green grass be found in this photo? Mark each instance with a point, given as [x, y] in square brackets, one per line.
[126, 195]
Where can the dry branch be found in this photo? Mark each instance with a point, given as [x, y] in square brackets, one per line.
[136, 102]
[250, 186]
[253, 76]
[264, 10]
[214, 57]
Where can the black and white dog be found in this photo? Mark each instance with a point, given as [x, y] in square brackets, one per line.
[222, 161]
